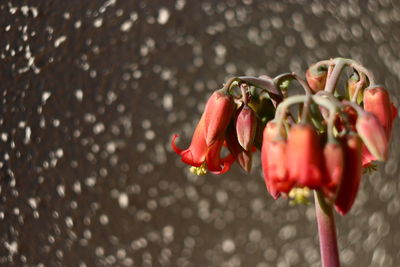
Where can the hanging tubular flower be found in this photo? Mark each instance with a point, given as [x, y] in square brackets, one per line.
[246, 126]
[217, 115]
[334, 164]
[377, 101]
[202, 156]
[316, 77]
[351, 174]
[273, 159]
[373, 135]
[304, 155]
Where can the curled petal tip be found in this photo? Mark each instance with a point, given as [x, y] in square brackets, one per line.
[174, 146]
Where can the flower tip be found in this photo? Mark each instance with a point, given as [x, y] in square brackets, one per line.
[174, 146]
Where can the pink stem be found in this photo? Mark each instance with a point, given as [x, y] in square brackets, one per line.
[327, 232]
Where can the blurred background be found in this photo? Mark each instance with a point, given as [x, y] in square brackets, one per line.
[91, 93]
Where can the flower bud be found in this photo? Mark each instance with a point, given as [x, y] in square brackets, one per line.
[246, 126]
[373, 135]
[217, 114]
[351, 87]
[377, 101]
[243, 157]
[316, 77]
[352, 170]
[304, 155]
[334, 163]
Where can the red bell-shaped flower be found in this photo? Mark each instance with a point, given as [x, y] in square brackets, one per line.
[352, 171]
[334, 164]
[304, 157]
[217, 115]
[273, 159]
[373, 135]
[200, 154]
[377, 101]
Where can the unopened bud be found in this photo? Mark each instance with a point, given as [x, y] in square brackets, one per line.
[246, 126]
[316, 77]
[351, 86]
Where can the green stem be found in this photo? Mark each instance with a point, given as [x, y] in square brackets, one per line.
[283, 107]
[332, 107]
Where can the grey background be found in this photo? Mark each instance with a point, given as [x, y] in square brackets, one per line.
[91, 93]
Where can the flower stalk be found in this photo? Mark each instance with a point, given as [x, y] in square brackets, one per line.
[326, 232]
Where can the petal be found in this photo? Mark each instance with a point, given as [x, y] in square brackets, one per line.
[217, 115]
[226, 165]
[174, 146]
[373, 135]
[213, 158]
[304, 153]
[351, 174]
[195, 154]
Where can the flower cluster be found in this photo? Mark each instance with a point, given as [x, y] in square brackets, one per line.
[322, 145]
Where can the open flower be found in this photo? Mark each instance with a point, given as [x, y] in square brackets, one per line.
[201, 155]
[209, 136]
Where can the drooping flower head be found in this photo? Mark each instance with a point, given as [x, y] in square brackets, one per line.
[209, 136]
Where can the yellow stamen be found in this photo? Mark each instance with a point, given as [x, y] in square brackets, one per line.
[300, 196]
[199, 170]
